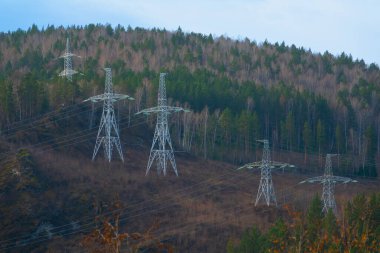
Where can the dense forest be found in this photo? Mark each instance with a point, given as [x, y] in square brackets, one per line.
[314, 231]
[54, 199]
[238, 91]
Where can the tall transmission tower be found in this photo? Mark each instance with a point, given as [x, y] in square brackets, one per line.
[108, 133]
[266, 165]
[68, 71]
[162, 148]
[328, 181]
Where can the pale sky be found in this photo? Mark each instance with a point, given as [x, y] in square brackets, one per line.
[352, 26]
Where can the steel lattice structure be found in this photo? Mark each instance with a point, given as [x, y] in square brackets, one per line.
[108, 132]
[266, 165]
[328, 180]
[68, 71]
[162, 148]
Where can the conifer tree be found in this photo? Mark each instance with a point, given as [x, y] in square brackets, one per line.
[306, 139]
[314, 218]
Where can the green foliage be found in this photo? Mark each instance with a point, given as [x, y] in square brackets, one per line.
[33, 96]
[230, 246]
[7, 103]
[252, 241]
[330, 225]
[289, 125]
[320, 135]
[363, 222]
[344, 59]
[32, 59]
[357, 231]
[33, 30]
[296, 55]
[146, 44]
[307, 137]
[370, 166]
[327, 63]
[341, 77]
[109, 30]
[179, 38]
[281, 48]
[59, 45]
[202, 72]
[314, 218]
[366, 92]
[339, 139]
[17, 38]
[278, 237]
[89, 29]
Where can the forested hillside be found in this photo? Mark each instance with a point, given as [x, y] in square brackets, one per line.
[238, 91]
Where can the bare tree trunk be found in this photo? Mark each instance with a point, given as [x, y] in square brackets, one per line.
[378, 135]
[92, 115]
[353, 146]
[129, 113]
[215, 130]
[138, 97]
[205, 118]
[360, 135]
[191, 137]
[345, 130]
[363, 157]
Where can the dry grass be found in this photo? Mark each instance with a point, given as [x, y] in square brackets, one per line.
[199, 210]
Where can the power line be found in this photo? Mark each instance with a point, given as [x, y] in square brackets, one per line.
[150, 209]
[68, 71]
[329, 181]
[162, 148]
[186, 191]
[108, 123]
[266, 165]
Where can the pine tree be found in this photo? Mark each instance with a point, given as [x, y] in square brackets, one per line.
[289, 124]
[330, 240]
[253, 241]
[370, 167]
[314, 218]
[320, 138]
[278, 237]
[306, 139]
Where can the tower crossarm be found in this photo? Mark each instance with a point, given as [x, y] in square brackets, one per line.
[272, 165]
[344, 180]
[266, 188]
[162, 150]
[279, 165]
[254, 165]
[112, 96]
[65, 55]
[67, 72]
[333, 179]
[314, 180]
[167, 109]
[108, 132]
[328, 181]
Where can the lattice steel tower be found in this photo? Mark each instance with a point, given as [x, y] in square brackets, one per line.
[68, 71]
[266, 188]
[108, 133]
[162, 148]
[328, 181]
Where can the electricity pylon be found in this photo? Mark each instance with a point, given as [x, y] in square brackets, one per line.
[108, 124]
[266, 188]
[162, 148]
[328, 181]
[68, 71]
